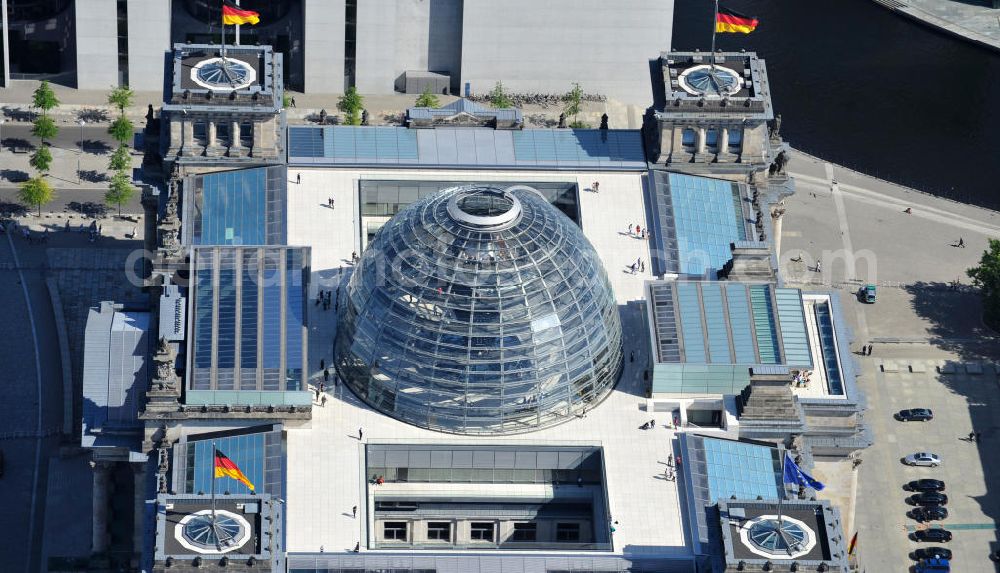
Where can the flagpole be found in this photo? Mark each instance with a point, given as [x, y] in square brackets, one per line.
[237, 26]
[214, 454]
[715, 27]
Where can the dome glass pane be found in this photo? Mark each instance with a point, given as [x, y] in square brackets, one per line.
[480, 311]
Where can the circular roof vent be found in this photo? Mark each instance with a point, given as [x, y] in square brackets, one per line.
[202, 533]
[787, 538]
[221, 75]
[709, 81]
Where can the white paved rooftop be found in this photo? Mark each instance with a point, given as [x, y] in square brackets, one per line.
[325, 462]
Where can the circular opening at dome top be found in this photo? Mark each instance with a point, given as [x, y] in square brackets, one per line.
[491, 208]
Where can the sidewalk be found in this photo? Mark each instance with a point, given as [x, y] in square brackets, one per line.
[93, 173]
[382, 109]
[975, 21]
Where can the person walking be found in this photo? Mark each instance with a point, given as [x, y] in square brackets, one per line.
[357, 547]
[642, 266]
[323, 401]
[361, 434]
[316, 390]
[670, 460]
[354, 510]
[326, 375]
[631, 355]
[630, 228]
[870, 347]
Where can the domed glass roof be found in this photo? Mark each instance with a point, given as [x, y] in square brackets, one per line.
[480, 310]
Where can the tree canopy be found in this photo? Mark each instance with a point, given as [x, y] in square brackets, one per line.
[41, 159]
[986, 277]
[572, 101]
[36, 192]
[428, 99]
[351, 103]
[499, 98]
[44, 127]
[122, 130]
[121, 97]
[120, 191]
[44, 98]
[120, 160]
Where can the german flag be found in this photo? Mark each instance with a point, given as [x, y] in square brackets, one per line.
[233, 15]
[730, 21]
[225, 467]
[853, 545]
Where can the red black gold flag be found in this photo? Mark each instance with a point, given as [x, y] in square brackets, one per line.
[730, 21]
[225, 467]
[853, 545]
[233, 15]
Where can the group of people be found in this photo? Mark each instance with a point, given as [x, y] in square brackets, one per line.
[638, 265]
[648, 425]
[866, 349]
[325, 298]
[638, 232]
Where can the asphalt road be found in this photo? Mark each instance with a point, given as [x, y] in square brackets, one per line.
[95, 137]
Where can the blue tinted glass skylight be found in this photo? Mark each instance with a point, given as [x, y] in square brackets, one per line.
[706, 221]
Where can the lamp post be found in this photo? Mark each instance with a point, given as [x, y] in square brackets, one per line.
[1, 135]
[79, 177]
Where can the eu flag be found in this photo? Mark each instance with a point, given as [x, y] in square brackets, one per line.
[795, 476]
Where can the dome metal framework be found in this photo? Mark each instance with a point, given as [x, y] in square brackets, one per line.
[480, 310]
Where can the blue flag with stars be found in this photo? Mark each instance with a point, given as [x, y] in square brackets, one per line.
[795, 476]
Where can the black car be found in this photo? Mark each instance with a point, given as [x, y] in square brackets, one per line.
[925, 484]
[932, 513]
[935, 535]
[915, 415]
[932, 553]
[928, 498]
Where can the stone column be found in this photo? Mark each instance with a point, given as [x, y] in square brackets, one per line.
[211, 134]
[188, 145]
[700, 143]
[212, 149]
[236, 148]
[101, 537]
[724, 140]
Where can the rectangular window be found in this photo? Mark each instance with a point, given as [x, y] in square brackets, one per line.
[525, 532]
[394, 530]
[200, 133]
[688, 138]
[439, 531]
[222, 133]
[350, 41]
[482, 531]
[246, 134]
[735, 140]
[567, 532]
[122, 12]
[712, 137]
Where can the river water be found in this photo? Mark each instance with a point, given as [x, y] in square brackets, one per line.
[865, 88]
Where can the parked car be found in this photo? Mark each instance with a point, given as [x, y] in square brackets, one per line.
[931, 552]
[933, 565]
[928, 498]
[867, 294]
[932, 513]
[925, 484]
[922, 459]
[915, 415]
[933, 535]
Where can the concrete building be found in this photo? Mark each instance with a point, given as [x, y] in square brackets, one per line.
[489, 377]
[379, 46]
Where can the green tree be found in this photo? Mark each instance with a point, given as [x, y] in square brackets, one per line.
[122, 130]
[499, 98]
[121, 97]
[120, 159]
[120, 191]
[427, 99]
[41, 159]
[44, 128]
[44, 98]
[36, 192]
[986, 277]
[572, 101]
[351, 103]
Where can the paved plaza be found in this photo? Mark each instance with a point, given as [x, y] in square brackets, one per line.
[323, 488]
[919, 323]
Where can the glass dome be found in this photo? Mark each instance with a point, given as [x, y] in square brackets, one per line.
[710, 81]
[480, 310]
